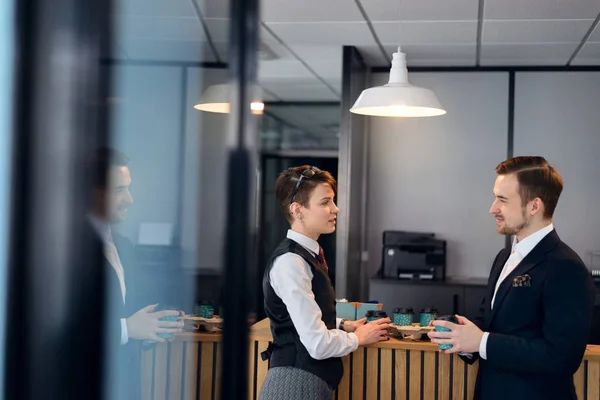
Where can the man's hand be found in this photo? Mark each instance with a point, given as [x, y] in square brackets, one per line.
[351, 326]
[146, 325]
[465, 337]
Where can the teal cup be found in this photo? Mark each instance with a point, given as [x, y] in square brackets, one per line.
[427, 315]
[450, 318]
[403, 316]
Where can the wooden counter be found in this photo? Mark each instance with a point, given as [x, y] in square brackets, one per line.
[189, 368]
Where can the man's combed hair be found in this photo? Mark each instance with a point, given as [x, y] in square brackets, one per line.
[537, 178]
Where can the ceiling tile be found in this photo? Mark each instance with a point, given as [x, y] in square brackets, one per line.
[527, 54]
[437, 54]
[541, 9]
[595, 36]
[335, 33]
[535, 31]
[282, 69]
[268, 96]
[218, 29]
[427, 32]
[213, 9]
[326, 69]
[318, 52]
[309, 11]
[422, 10]
[155, 8]
[589, 55]
[372, 56]
[167, 50]
[167, 28]
[301, 90]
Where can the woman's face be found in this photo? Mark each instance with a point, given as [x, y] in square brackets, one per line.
[320, 215]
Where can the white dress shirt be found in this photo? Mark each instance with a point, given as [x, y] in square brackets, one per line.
[518, 253]
[112, 255]
[291, 279]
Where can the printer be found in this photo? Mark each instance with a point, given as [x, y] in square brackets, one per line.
[413, 255]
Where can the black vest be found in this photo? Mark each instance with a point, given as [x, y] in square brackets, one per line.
[287, 350]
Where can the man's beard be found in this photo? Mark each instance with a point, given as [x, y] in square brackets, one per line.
[513, 230]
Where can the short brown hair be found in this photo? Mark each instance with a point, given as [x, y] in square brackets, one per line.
[536, 178]
[286, 184]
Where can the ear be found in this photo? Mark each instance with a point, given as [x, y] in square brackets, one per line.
[294, 209]
[536, 206]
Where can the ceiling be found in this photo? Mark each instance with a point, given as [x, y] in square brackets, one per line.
[301, 41]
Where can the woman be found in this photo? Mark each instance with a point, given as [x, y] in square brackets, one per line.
[308, 341]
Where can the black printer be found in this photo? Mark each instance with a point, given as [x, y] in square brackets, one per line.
[413, 255]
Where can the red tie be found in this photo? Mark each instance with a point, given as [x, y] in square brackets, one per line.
[321, 259]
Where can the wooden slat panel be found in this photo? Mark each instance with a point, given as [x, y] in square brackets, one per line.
[175, 370]
[251, 369]
[444, 376]
[218, 372]
[371, 373]
[458, 381]
[191, 370]
[593, 389]
[262, 367]
[358, 367]
[415, 375]
[147, 361]
[386, 374]
[344, 386]
[160, 372]
[429, 377]
[206, 371]
[471, 379]
[400, 378]
[578, 381]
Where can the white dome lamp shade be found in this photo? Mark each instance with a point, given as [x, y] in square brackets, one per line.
[217, 99]
[398, 98]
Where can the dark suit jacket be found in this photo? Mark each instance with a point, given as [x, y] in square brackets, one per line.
[538, 334]
[123, 360]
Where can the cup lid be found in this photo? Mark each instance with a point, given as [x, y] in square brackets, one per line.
[404, 310]
[450, 318]
[429, 310]
[380, 313]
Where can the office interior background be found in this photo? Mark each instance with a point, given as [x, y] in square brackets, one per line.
[515, 77]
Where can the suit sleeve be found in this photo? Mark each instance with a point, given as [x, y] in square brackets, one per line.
[568, 300]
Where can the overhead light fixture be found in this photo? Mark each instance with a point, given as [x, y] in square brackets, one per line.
[217, 99]
[398, 98]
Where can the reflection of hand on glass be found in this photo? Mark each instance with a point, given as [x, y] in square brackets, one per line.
[147, 325]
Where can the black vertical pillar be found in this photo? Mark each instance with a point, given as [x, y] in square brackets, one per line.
[55, 325]
[241, 197]
[351, 278]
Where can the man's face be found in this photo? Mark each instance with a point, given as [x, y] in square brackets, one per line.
[117, 197]
[511, 216]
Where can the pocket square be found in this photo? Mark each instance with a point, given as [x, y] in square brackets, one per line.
[522, 281]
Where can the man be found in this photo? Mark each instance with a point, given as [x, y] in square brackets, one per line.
[534, 322]
[125, 319]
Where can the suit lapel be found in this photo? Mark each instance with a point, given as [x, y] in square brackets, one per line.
[494, 275]
[532, 260]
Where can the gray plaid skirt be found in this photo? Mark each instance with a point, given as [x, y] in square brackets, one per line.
[289, 383]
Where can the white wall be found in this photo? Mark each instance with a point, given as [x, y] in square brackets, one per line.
[204, 196]
[557, 116]
[437, 174]
[146, 127]
[149, 106]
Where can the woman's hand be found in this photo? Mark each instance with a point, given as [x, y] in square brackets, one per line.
[373, 332]
[352, 326]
